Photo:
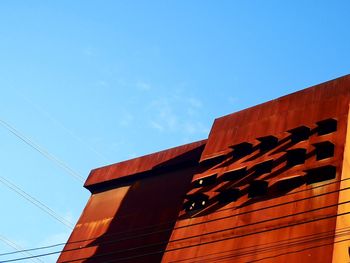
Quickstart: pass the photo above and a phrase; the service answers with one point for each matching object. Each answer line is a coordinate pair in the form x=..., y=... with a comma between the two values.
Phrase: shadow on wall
x=141, y=228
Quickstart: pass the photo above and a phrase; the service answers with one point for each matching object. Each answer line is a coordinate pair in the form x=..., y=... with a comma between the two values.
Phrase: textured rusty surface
x=120, y=218
x=247, y=240
x=154, y=218
x=341, y=241
x=171, y=157
x=279, y=115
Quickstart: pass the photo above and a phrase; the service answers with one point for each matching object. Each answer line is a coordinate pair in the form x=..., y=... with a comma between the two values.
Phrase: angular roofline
x=159, y=160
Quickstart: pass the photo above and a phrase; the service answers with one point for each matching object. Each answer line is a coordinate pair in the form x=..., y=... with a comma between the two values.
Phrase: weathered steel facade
x=270, y=184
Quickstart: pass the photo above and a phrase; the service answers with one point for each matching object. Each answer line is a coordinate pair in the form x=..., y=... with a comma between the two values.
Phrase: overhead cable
x=203, y=243
x=18, y=248
x=194, y=236
x=36, y=202
x=42, y=151
x=259, y=249
x=127, y=235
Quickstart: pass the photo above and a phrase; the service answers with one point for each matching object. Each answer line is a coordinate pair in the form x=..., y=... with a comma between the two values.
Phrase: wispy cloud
x=156, y=125
x=232, y=100
x=195, y=127
x=126, y=119
x=195, y=103
x=102, y=83
x=89, y=51
x=177, y=114
x=143, y=86
x=163, y=116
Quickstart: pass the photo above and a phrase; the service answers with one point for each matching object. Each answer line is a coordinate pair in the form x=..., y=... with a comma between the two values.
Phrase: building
x=270, y=184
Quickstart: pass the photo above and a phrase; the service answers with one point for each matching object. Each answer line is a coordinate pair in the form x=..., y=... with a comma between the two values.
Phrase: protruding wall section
x=341, y=252
x=270, y=184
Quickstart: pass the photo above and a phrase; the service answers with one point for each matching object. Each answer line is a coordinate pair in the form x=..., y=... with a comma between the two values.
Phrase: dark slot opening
x=288, y=184
x=320, y=174
x=205, y=181
x=267, y=143
x=242, y=149
x=264, y=167
x=300, y=133
x=326, y=126
x=213, y=160
x=195, y=202
x=324, y=150
x=229, y=195
x=235, y=174
x=257, y=188
x=296, y=156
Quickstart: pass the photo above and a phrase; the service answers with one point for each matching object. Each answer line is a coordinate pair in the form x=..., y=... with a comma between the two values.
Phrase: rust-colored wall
x=329, y=100
x=133, y=213
x=300, y=108
x=136, y=212
x=172, y=157
x=342, y=241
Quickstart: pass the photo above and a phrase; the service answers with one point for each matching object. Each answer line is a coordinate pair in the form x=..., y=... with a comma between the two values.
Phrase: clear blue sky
x=97, y=82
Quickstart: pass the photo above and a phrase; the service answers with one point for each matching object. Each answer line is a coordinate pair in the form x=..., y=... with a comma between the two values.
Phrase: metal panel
x=307, y=106
x=167, y=158
x=142, y=219
x=135, y=213
x=293, y=226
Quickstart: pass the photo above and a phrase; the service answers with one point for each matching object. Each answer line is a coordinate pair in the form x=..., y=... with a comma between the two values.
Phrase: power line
x=204, y=243
x=229, y=216
x=194, y=245
x=33, y=249
x=250, y=211
x=194, y=224
x=18, y=248
x=43, y=111
x=289, y=241
x=179, y=248
x=36, y=202
x=41, y=150
x=233, y=228
x=266, y=248
x=300, y=250
x=337, y=233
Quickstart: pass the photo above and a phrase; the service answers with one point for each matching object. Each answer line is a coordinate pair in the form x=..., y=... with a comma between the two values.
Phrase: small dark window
x=288, y=184
x=195, y=202
x=257, y=188
x=267, y=143
x=229, y=195
x=263, y=168
x=299, y=134
x=320, y=174
x=235, y=174
x=215, y=159
x=326, y=126
x=242, y=149
x=324, y=150
x=296, y=156
x=205, y=181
